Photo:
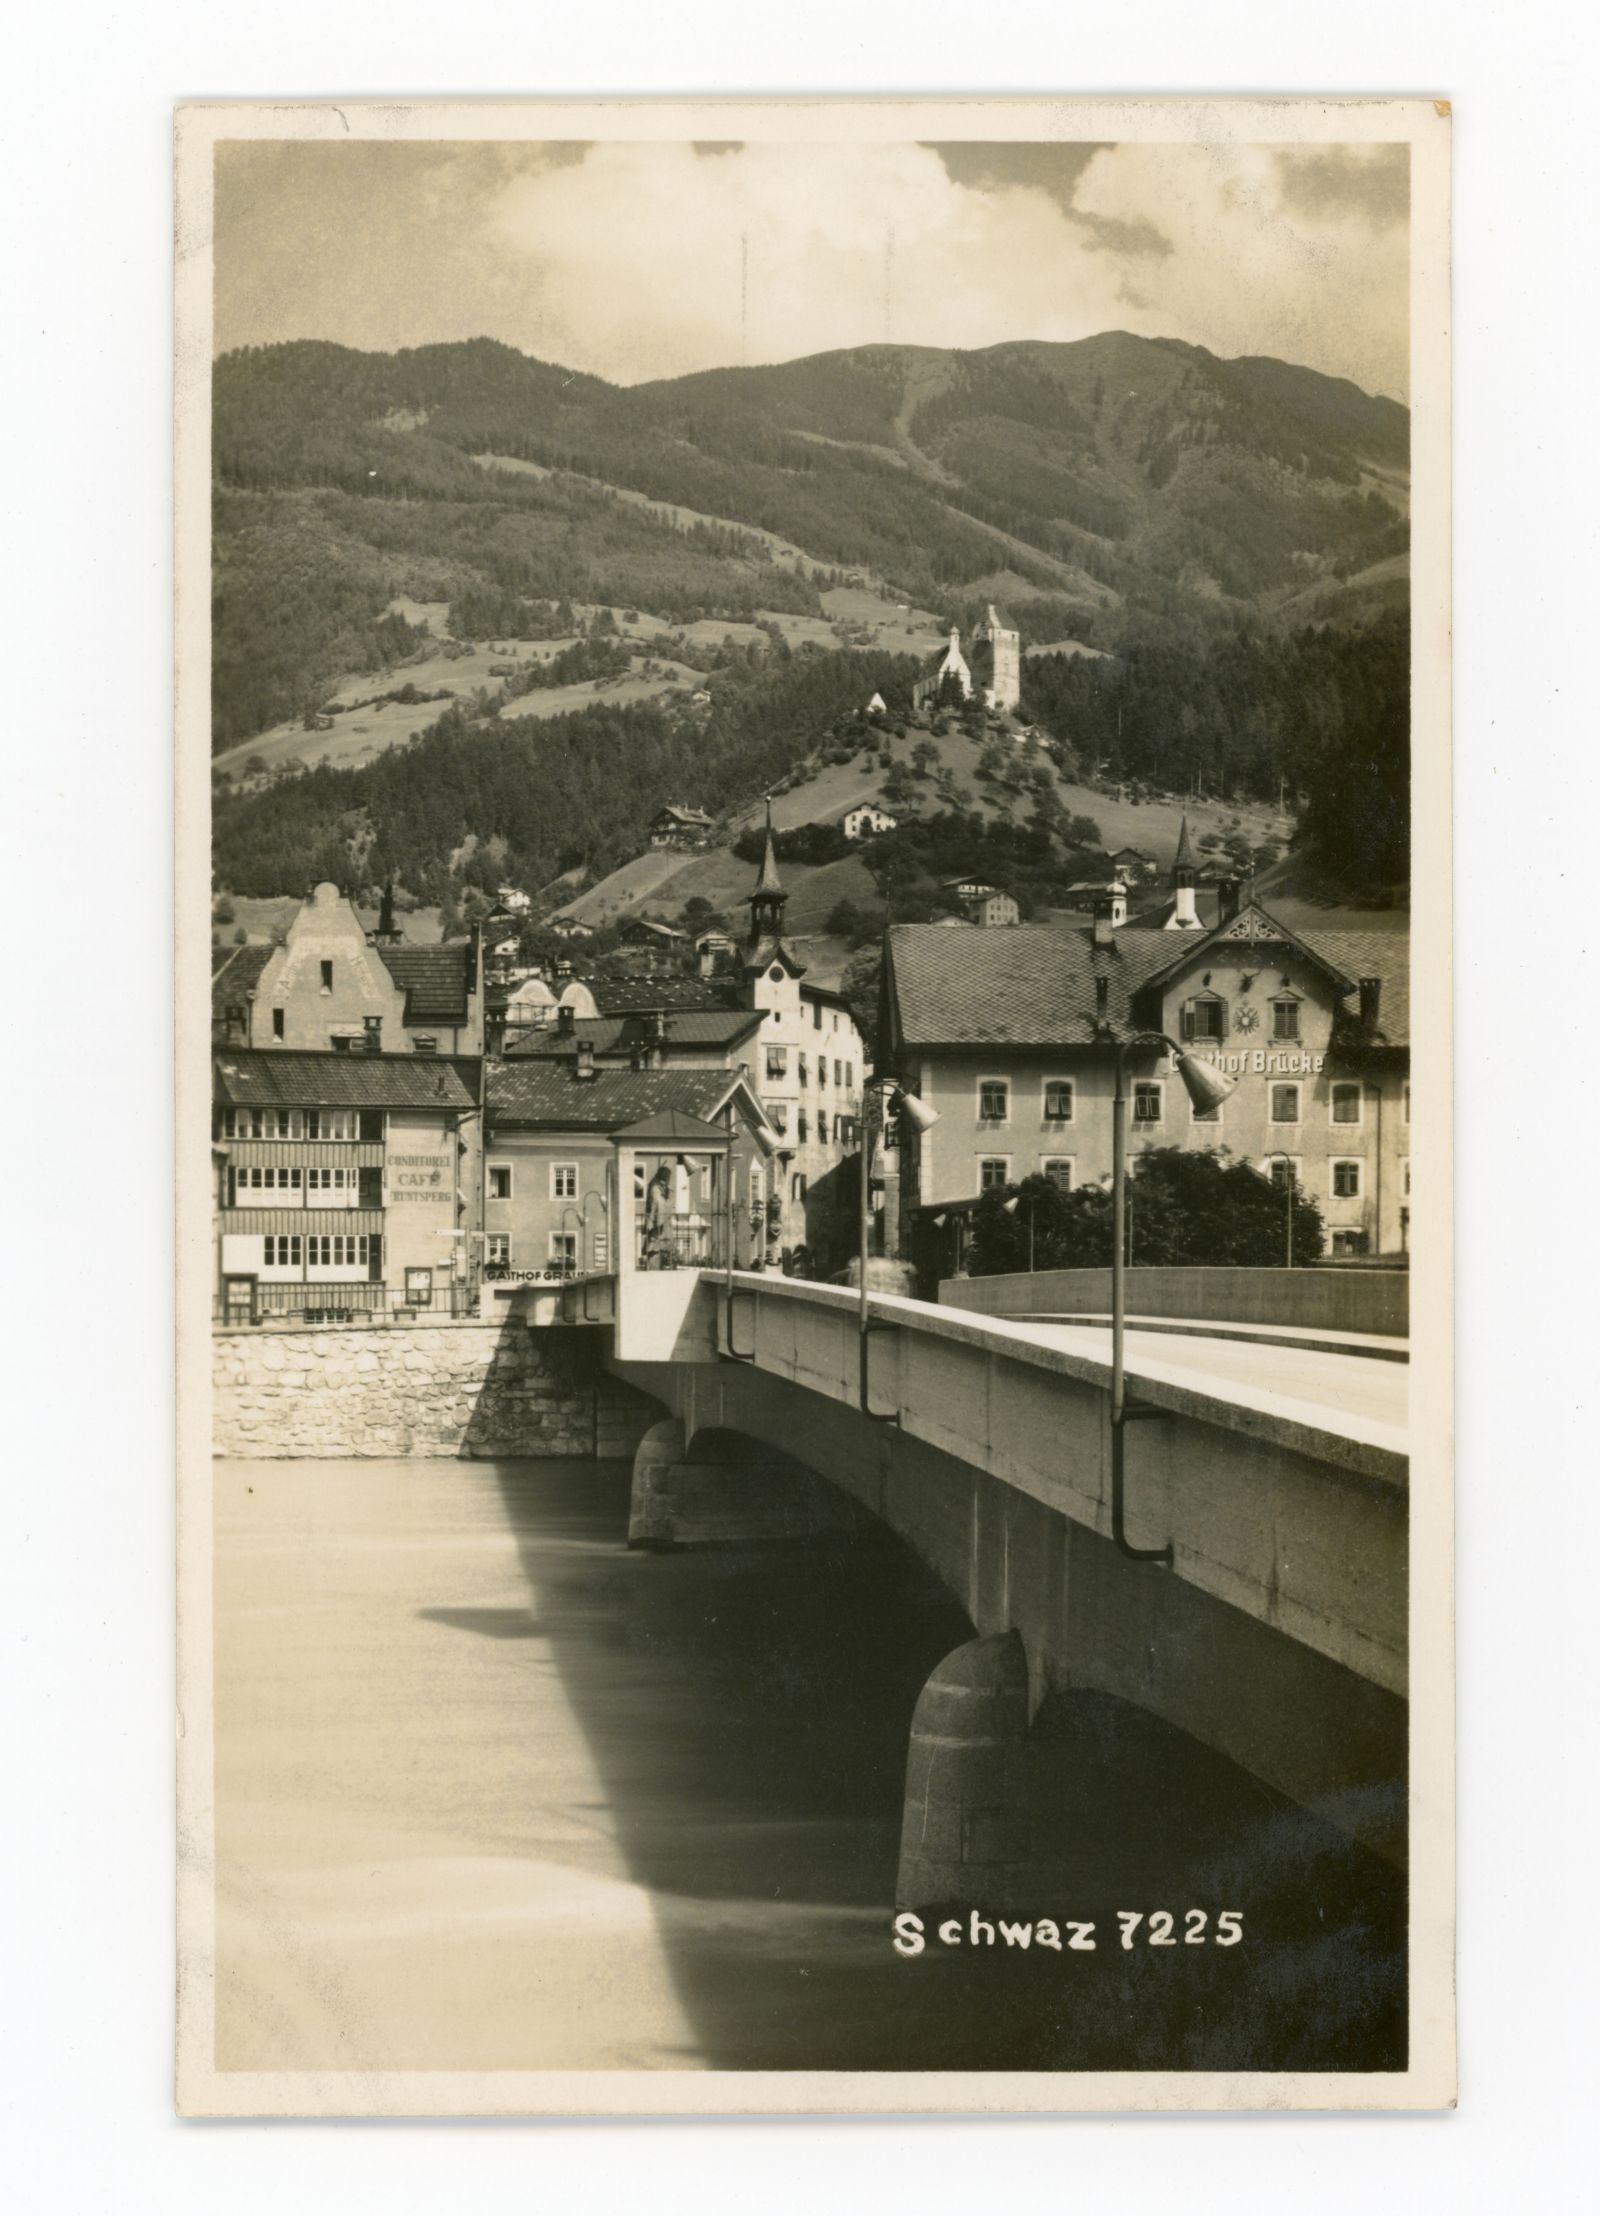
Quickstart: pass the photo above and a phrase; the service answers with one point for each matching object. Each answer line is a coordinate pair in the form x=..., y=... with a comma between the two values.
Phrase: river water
x=494, y=1792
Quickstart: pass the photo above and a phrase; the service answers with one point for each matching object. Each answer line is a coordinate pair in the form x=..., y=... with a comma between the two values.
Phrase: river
x=494, y=1792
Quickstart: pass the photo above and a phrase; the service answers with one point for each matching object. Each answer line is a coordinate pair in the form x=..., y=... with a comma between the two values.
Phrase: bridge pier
x=723, y=1488
x=964, y=1834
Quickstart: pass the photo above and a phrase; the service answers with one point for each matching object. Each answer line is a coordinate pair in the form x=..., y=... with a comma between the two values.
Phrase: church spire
x=769, y=899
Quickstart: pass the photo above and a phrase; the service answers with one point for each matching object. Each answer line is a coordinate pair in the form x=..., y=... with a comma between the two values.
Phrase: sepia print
x=813, y=768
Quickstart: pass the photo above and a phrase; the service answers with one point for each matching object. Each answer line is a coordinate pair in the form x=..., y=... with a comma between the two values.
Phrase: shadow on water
x=748, y=1709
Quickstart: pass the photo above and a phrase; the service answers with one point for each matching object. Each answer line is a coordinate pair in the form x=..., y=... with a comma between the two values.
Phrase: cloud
x=650, y=259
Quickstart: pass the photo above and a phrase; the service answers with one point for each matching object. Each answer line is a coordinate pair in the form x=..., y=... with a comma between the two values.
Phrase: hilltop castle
x=994, y=672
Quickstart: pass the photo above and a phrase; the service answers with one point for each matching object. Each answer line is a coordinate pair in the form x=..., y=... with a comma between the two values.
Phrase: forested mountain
x=1230, y=535
x=1124, y=484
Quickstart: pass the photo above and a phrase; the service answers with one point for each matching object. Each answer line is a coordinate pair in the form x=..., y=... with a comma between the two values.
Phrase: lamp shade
x=1204, y=1083
x=916, y=1112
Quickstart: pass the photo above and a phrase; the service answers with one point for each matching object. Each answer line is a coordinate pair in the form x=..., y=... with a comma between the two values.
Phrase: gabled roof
x=772, y=949
x=435, y=979
x=1031, y=986
x=278, y=1077
x=672, y=1126
x=547, y=1095
x=1252, y=925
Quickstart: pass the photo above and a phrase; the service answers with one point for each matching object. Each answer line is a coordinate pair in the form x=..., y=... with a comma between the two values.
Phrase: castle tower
x=1183, y=916
x=1004, y=689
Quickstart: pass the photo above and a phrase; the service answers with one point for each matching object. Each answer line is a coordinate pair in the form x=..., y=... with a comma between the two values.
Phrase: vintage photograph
x=813, y=767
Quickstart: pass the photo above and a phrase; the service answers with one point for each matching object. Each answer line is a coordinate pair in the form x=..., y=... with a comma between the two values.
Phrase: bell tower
x=769, y=899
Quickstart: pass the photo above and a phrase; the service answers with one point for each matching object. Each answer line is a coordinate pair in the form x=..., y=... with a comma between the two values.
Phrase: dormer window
x=327, y=977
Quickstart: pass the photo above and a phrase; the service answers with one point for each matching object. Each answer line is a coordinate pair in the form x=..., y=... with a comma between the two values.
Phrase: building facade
x=329, y=988
x=1013, y=1040
x=561, y=1130
x=346, y=1184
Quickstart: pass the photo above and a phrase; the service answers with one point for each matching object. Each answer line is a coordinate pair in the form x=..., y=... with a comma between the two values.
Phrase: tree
x=859, y=987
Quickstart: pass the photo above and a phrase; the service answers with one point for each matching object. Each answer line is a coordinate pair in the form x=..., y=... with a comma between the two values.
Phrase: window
x=822, y=1126
x=372, y=1033
x=1205, y=1017
x=332, y=1188
x=336, y=1250
x=816, y=1015
x=849, y=1076
x=564, y=1249
x=1345, y=1103
x=994, y=1171
x=327, y=977
x=330, y=1123
x=778, y=1111
x=1147, y=1100
x=340, y=1041
x=255, y=1179
x=801, y=1126
x=563, y=1181
x=277, y=1023
x=838, y=1071
x=1058, y=1169
x=281, y=1252
x=1058, y=1100
x=805, y=1074
x=1344, y=1179
x=994, y=1100
x=424, y=1042
x=497, y=1251
x=1283, y=1169
x=234, y=1022
x=1286, y=1019
x=1348, y=1242
x=797, y=1186
x=1405, y=1102
x=1405, y=1175
x=1283, y=1104
x=499, y=1180
x=822, y=1069
x=777, y=1061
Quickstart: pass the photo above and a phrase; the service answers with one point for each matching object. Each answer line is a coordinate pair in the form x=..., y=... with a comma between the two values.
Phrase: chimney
x=652, y=1053
x=474, y=956
x=1227, y=900
x=1369, y=989
x=566, y=1019
x=1105, y=920
x=1102, y=1002
x=583, y=1062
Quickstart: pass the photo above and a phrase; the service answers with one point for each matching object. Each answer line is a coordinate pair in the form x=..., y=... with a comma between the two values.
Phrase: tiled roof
x=434, y=979
x=1031, y=986
x=617, y=996
x=1035, y=985
x=1385, y=955
x=277, y=1077
x=673, y=1126
x=692, y=1027
x=548, y=1093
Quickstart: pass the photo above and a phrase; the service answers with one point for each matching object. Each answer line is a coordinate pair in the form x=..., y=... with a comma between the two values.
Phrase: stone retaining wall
x=472, y=1389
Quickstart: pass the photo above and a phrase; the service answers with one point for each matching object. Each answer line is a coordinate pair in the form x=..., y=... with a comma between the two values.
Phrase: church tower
x=1004, y=688
x=1184, y=916
x=769, y=899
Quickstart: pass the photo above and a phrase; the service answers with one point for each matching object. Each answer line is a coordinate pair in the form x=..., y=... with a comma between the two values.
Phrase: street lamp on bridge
x=1207, y=1088
x=893, y=1099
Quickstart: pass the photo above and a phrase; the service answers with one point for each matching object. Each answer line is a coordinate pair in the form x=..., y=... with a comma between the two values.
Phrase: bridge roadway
x=1346, y=1391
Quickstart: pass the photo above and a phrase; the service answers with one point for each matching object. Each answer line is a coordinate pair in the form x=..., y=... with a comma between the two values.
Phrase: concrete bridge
x=1277, y=1638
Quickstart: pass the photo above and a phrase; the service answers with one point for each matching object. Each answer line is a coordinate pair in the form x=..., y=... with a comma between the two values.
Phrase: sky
x=634, y=260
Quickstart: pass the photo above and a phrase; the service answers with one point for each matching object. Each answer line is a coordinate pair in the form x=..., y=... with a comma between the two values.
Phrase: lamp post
x=892, y=1098
x=1207, y=1088
x=1011, y=1206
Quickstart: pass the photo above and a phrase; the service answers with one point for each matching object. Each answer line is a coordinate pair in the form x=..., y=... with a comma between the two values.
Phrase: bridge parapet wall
x=1375, y=1302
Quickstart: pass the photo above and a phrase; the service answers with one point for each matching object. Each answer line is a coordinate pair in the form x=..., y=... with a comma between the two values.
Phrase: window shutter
x=1187, y=1020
